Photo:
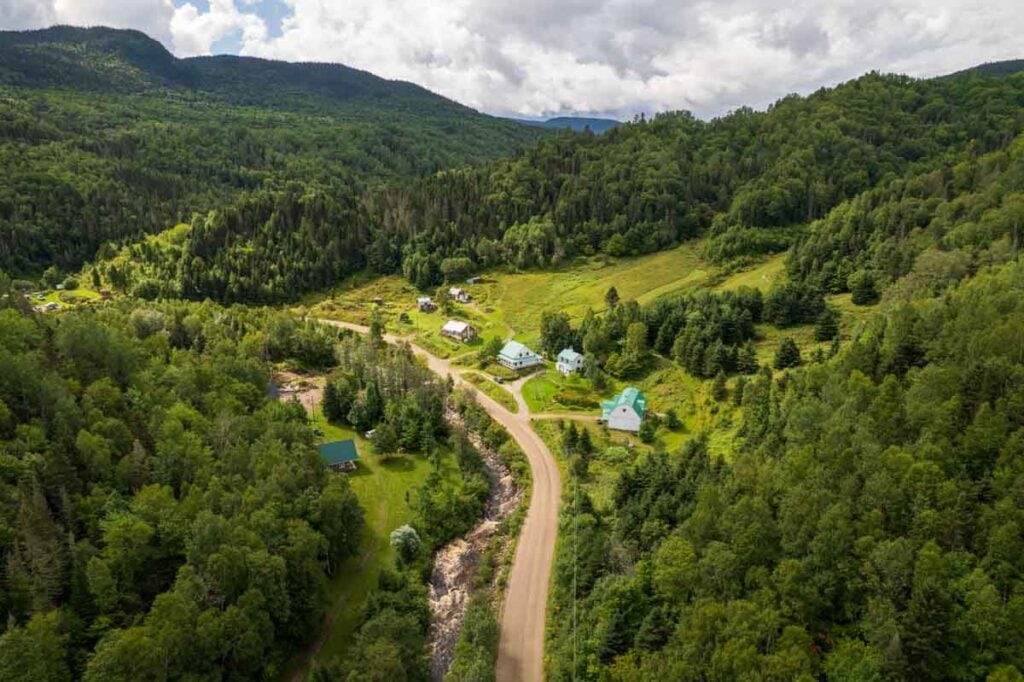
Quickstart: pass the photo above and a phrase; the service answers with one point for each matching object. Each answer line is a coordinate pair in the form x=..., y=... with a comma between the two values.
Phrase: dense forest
x=750, y=181
x=868, y=528
x=162, y=517
x=104, y=135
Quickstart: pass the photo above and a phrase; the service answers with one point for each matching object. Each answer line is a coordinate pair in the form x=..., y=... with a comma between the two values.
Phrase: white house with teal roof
x=625, y=412
x=569, y=361
x=517, y=356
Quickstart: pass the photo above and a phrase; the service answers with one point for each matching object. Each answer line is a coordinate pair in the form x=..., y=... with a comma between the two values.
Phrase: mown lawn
x=383, y=487
x=65, y=298
x=549, y=391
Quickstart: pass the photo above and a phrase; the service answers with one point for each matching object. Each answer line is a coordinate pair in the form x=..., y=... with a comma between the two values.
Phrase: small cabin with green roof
x=339, y=455
x=625, y=412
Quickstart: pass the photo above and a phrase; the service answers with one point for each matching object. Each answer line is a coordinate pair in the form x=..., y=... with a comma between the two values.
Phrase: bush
x=407, y=543
x=648, y=429
x=862, y=288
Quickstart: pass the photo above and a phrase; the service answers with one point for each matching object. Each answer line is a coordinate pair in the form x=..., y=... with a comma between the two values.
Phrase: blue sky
x=540, y=58
x=271, y=11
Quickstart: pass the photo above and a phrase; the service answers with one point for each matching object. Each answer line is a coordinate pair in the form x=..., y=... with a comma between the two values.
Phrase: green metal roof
x=338, y=452
x=630, y=396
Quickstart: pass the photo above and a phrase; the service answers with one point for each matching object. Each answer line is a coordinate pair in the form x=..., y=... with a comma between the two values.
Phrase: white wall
x=624, y=418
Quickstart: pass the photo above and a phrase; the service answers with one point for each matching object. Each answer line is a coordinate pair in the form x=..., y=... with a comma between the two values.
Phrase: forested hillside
x=744, y=179
x=751, y=181
x=105, y=135
x=159, y=511
x=163, y=517
x=868, y=528
x=864, y=523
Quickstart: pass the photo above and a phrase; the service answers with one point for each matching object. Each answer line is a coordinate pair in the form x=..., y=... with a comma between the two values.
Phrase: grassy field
x=519, y=299
x=549, y=391
x=852, y=316
x=502, y=396
x=67, y=297
x=761, y=276
x=382, y=487
x=508, y=302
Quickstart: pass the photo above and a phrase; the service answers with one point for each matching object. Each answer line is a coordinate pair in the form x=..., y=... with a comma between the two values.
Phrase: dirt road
x=521, y=644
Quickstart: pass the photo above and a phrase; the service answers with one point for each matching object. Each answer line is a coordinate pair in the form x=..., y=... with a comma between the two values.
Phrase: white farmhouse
x=569, y=361
x=517, y=356
x=625, y=412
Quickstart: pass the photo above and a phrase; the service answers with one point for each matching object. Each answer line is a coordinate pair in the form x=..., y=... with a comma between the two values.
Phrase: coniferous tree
x=826, y=327
x=787, y=355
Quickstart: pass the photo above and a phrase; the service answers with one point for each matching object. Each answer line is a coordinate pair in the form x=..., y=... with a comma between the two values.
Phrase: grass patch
x=499, y=394
x=65, y=297
x=851, y=316
x=549, y=391
x=382, y=487
x=769, y=338
x=761, y=276
x=355, y=300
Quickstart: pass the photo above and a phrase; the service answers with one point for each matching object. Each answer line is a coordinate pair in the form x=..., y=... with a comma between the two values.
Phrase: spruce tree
x=788, y=354
x=719, y=390
x=826, y=327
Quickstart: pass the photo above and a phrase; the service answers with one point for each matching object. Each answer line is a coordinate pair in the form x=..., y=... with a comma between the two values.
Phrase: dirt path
x=521, y=644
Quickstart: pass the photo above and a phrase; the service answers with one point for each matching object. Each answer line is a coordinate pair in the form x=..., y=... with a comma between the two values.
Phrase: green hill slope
x=751, y=182
x=104, y=134
x=113, y=60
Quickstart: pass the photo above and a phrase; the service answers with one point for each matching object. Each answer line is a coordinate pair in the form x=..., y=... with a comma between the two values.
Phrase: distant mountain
x=104, y=134
x=994, y=69
x=130, y=62
x=577, y=123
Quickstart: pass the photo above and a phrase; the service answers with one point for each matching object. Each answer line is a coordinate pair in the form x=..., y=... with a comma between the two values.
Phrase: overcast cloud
x=542, y=58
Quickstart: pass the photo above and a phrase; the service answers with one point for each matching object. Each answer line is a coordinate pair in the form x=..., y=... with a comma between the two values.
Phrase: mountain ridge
x=104, y=134
x=129, y=61
x=998, y=69
x=576, y=123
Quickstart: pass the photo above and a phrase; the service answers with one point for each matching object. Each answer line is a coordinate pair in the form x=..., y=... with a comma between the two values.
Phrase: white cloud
x=196, y=31
x=18, y=14
x=150, y=16
x=545, y=57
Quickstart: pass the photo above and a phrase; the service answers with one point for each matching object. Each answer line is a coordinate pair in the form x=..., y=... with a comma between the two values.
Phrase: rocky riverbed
x=451, y=581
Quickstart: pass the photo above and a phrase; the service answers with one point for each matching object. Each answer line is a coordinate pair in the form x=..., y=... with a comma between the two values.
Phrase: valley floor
x=537, y=407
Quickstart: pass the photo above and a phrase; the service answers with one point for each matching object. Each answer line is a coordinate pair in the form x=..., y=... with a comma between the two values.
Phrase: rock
x=454, y=564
